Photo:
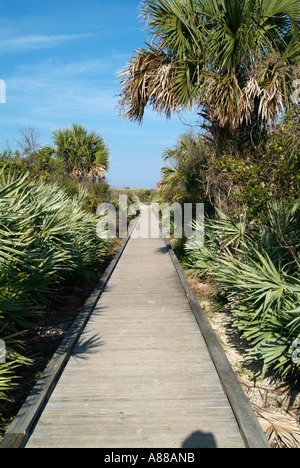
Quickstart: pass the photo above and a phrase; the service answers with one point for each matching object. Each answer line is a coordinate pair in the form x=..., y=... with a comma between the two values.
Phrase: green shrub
x=45, y=238
x=247, y=181
x=265, y=304
x=257, y=268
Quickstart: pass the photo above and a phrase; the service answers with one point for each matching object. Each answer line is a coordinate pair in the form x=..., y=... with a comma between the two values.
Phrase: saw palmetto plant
x=259, y=273
x=6, y=384
x=202, y=257
x=265, y=303
x=45, y=238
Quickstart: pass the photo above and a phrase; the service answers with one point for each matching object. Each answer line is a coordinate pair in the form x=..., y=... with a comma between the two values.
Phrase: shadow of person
x=200, y=439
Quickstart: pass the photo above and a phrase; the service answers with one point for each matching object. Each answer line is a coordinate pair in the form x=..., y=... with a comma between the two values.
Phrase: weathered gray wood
x=18, y=432
x=141, y=374
x=13, y=441
x=250, y=428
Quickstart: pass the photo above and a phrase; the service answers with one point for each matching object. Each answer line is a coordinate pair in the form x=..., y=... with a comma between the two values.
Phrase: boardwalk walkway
x=141, y=374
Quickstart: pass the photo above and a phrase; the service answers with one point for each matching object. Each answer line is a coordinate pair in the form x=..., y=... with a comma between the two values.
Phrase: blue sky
x=60, y=62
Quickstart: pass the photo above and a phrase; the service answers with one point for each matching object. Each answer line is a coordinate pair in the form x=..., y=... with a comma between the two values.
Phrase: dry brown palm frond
x=280, y=428
x=269, y=97
x=223, y=100
x=228, y=103
x=148, y=79
x=271, y=105
x=76, y=173
x=100, y=171
x=266, y=86
x=97, y=171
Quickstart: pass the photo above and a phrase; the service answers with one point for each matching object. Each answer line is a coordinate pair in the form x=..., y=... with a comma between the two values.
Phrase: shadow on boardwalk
x=200, y=439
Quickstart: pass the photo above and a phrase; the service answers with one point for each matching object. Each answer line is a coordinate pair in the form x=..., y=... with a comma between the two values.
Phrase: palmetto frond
x=148, y=80
x=263, y=290
x=44, y=236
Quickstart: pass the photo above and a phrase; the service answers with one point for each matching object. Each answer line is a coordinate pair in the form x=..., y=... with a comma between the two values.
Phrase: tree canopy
x=83, y=153
x=235, y=61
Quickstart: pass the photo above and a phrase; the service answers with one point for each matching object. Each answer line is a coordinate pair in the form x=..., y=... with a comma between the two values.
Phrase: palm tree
x=235, y=60
x=84, y=154
x=183, y=176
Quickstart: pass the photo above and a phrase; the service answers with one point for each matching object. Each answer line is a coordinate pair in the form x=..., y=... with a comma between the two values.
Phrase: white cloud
x=23, y=43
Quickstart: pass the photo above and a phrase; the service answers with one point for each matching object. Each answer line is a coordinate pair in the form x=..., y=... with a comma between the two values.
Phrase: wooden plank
x=250, y=428
x=144, y=370
x=19, y=430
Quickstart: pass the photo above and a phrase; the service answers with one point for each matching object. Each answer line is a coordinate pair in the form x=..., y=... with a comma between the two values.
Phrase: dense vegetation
x=252, y=236
x=77, y=158
x=48, y=234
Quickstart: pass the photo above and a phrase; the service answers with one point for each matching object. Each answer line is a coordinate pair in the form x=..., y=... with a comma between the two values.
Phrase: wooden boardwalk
x=140, y=375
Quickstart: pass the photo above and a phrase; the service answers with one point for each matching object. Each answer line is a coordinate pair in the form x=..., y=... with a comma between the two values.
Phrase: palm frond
x=147, y=80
